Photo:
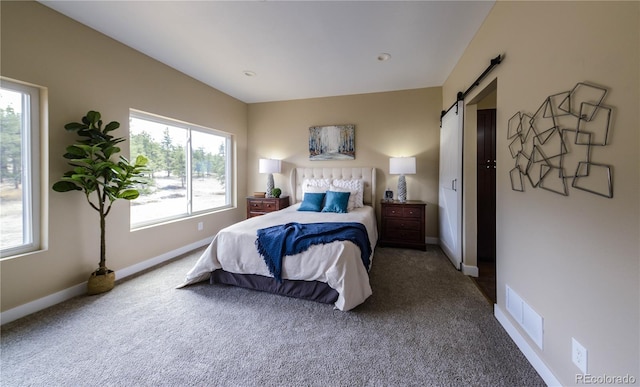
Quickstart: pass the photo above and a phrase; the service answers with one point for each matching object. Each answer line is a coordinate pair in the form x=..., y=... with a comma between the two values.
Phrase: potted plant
x=102, y=180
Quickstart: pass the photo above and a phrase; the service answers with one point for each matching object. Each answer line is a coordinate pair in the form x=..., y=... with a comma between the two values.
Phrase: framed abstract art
x=332, y=142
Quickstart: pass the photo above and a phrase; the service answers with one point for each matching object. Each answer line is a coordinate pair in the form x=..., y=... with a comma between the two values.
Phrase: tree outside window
x=188, y=169
x=19, y=168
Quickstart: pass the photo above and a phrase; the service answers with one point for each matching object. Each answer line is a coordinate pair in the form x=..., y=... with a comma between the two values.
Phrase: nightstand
x=261, y=206
x=403, y=224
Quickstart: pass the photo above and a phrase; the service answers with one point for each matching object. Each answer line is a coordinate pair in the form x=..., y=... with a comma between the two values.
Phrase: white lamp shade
x=269, y=166
x=402, y=165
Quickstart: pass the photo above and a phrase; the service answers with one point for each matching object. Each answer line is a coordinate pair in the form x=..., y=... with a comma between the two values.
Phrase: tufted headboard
x=367, y=174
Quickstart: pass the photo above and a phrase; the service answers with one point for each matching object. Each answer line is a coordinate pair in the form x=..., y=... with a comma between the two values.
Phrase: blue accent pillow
x=336, y=202
x=312, y=202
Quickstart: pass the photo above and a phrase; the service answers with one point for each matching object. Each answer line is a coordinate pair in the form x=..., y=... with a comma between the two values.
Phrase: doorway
x=486, y=202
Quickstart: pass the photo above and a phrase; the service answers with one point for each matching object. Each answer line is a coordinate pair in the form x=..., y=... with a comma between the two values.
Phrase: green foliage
x=276, y=192
x=93, y=172
x=143, y=144
x=10, y=146
x=218, y=166
x=169, y=158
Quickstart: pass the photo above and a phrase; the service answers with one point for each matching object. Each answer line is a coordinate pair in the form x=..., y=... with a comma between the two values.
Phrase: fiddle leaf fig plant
x=102, y=179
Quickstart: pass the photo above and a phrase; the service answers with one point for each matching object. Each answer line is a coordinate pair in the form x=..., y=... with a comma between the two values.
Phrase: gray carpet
x=426, y=324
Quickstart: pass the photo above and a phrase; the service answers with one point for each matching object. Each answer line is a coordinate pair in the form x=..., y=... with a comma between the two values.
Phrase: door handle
x=454, y=184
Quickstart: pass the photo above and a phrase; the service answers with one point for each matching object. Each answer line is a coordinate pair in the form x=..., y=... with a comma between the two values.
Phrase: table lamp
x=269, y=166
x=402, y=166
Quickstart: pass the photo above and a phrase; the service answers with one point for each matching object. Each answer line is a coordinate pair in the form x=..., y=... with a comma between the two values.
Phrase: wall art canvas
x=332, y=142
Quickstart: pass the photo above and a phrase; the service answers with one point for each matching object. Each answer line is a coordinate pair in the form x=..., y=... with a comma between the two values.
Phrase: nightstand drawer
x=403, y=229
x=403, y=224
x=413, y=212
x=392, y=212
x=256, y=205
x=403, y=212
x=261, y=206
x=270, y=206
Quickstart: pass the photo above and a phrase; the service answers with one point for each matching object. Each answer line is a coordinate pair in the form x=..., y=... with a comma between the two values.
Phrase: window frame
x=31, y=168
x=228, y=137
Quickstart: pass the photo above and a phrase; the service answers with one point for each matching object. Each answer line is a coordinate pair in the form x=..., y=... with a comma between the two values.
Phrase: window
x=19, y=168
x=189, y=169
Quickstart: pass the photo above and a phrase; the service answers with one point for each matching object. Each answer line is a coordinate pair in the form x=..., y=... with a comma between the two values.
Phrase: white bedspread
x=338, y=263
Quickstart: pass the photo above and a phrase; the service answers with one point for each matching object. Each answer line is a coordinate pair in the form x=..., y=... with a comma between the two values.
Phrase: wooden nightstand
x=403, y=224
x=260, y=206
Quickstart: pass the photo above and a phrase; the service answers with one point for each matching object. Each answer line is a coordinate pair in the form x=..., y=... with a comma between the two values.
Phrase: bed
x=334, y=273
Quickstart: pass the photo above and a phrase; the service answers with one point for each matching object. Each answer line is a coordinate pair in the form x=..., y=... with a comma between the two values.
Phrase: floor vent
x=528, y=319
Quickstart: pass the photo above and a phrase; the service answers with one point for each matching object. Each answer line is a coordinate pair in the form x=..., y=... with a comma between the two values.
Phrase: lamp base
x=402, y=189
x=270, y=185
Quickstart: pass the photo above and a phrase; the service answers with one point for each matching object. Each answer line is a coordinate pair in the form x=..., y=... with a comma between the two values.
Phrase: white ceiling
x=297, y=49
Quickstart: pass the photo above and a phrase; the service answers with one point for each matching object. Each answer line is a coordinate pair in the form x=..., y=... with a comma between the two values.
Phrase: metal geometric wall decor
x=552, y=148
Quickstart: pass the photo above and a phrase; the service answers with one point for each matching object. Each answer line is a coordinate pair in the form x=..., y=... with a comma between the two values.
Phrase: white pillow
x=352, y=196
x=356, y=185
x=312, y=189
x=315, y=185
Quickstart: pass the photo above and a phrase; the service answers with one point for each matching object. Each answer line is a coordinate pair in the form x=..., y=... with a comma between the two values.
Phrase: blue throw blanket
x=275, y=242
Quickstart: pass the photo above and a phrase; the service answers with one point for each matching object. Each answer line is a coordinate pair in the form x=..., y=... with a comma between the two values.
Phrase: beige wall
x=574, y=260
x=84, y=70
x=403, y=123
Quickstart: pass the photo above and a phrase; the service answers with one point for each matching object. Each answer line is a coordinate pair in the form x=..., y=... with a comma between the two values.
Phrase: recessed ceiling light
x=384, y=56
x=249, y=73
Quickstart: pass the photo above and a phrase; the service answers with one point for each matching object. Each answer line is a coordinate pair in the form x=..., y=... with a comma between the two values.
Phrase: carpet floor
x=426, y=324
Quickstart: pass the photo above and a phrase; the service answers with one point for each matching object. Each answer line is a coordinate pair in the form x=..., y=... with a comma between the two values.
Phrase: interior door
x=486, y=203
x=450, y=190
x=486, y=194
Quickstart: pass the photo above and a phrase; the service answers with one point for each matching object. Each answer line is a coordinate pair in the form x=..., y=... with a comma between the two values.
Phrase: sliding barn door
x=450, y=191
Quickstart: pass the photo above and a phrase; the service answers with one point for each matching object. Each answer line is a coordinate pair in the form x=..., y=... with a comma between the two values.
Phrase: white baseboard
x=42, y=303
x=80, y=289
x=467, y=270
x=432, y=241
x=470, y=270
x=138, y=267
x=526, y=349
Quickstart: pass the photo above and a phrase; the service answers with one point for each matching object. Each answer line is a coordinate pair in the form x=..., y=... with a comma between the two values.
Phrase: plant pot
x=101, y=283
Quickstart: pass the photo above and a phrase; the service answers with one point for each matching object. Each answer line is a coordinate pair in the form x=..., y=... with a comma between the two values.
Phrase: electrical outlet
x=579, y=355
x=200, y=226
